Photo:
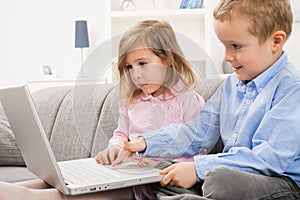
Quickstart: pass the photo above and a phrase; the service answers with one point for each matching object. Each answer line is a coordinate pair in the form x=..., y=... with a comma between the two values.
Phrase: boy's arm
x=172, y=141
x=188, y=138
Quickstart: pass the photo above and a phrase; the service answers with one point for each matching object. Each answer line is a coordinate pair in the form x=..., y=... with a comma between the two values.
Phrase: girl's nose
x=136, y=71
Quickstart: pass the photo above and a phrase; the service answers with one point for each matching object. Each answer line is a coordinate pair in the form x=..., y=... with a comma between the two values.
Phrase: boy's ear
x=278, y=40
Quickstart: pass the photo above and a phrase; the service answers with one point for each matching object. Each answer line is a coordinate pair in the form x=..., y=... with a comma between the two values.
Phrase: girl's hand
x=148, y=162
x=135, y=145
x=113, y=155
x=123, y=156
x=180, y=174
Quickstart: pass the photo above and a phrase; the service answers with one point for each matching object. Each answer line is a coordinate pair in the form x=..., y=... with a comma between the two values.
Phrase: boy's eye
x=236, y=46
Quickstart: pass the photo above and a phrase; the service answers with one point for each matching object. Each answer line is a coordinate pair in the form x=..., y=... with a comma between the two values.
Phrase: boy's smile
x=248, y=57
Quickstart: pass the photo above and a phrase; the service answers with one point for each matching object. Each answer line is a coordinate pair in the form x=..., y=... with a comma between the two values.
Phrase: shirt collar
x=262, y=80
x=177, y=88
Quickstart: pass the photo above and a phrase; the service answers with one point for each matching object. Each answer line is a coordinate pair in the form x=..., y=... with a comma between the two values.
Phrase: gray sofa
x=78, y=122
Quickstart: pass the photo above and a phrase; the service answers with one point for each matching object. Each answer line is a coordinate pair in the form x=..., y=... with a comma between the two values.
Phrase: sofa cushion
x=9, y=151
x=14, y=174
x=76, y=121
x=207, y=87
x=108, y=121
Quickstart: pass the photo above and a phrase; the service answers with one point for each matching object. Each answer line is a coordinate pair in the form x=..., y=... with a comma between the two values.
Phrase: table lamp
x=81, y=38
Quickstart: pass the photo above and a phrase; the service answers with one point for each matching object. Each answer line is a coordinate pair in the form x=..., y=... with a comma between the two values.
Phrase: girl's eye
x=128, y=66
x=142, y=63
x=236, y=46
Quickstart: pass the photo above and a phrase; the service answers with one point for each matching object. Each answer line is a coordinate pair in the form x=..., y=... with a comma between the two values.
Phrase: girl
x=154, y=85
x=155, y=81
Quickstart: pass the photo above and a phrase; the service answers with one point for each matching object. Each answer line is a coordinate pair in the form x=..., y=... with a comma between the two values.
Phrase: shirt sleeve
x=189, y=138
x=122, y=131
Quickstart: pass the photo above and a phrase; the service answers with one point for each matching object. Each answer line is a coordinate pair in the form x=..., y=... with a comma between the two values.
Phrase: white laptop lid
x=17, y=104
x=36, y=150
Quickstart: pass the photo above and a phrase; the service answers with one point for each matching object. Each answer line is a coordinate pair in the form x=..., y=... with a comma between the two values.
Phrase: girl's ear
x=278, y=40
x=169, y=58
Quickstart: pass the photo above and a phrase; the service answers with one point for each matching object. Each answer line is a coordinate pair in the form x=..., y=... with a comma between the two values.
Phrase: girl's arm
x=122, y=131
x=114, y=153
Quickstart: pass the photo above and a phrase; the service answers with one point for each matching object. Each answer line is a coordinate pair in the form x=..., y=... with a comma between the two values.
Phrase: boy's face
x=248, y=57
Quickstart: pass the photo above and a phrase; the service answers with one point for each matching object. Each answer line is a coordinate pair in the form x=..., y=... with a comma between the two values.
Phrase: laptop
x=70, y=177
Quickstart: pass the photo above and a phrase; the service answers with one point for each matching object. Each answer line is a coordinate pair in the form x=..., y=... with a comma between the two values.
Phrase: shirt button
x=234, y=135
x=248, y=101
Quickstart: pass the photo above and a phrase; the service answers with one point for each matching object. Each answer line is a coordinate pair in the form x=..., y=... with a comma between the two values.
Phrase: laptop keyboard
x=85, y=171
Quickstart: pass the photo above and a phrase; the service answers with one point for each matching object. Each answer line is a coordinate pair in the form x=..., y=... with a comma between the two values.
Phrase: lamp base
x=82, y=66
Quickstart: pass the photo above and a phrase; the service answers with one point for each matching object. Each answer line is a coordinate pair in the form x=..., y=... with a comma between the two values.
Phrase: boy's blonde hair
x=159, y=37
x=265, y=16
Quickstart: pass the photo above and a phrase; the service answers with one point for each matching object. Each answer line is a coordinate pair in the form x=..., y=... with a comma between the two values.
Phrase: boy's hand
x=180, y=174
x=135, y=145
x=114, y=155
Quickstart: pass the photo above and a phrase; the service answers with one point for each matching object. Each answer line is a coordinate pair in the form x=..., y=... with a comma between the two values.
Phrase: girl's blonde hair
x=159, y=37
x=265, y=16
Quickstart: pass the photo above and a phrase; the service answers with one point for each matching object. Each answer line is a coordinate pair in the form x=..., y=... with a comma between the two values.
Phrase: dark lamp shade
x=81, y=34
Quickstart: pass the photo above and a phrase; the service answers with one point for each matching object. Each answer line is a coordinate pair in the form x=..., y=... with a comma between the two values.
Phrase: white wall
x=41, y=32
x=293, y=44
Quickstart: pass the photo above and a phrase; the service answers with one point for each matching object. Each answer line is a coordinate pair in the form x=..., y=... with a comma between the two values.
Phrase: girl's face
x=147, y=71
x=248, y=57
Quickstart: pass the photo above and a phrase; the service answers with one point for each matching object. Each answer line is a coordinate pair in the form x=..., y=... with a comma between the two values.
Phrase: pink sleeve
x=192, y=103
x=122, y=131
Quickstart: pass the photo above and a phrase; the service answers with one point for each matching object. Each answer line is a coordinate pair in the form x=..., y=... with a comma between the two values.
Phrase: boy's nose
x=228, y=56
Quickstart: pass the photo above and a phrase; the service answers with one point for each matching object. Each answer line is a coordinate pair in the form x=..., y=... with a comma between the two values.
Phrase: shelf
x=180, y=14
x=194, y=29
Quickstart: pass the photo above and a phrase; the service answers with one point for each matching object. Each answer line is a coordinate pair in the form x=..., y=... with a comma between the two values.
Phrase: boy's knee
x=219, y=184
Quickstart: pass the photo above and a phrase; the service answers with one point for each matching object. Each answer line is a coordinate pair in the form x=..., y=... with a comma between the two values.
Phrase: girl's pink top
x=150, y=113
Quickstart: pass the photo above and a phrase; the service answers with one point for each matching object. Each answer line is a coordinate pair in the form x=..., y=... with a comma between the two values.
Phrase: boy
x=255, y=112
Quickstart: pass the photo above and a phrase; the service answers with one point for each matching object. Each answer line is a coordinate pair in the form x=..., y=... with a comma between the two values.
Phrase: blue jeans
x=228, y=184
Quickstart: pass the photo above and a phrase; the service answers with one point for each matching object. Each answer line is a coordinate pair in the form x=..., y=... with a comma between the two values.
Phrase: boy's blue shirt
x=259, y=124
